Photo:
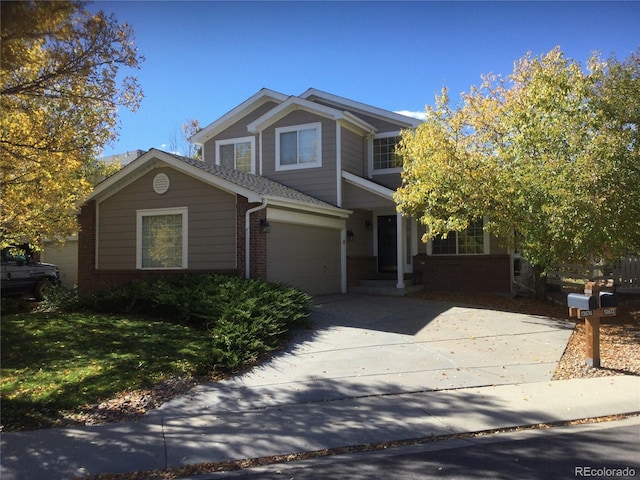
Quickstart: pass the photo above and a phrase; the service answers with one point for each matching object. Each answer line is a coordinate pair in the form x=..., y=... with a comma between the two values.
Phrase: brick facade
x=90, y=278
x=360, y=267
x=258, y=245
x=478, y=273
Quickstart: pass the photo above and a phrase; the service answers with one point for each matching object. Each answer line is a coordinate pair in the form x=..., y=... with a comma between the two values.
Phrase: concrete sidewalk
x=372, y=369
x=159, y=442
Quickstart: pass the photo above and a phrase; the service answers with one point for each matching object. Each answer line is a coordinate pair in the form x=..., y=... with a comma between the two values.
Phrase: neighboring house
x=65, y=254
x=293, y=189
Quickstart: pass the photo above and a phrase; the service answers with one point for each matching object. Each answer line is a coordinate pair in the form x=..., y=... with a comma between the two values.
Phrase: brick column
x=258, y=242
x=87, y=246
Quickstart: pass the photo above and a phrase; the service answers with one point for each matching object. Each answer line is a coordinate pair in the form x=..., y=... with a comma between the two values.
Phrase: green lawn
x=55, y=362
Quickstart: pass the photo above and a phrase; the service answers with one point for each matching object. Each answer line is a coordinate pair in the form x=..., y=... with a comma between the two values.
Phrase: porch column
x=343, y=259
x=400, y=242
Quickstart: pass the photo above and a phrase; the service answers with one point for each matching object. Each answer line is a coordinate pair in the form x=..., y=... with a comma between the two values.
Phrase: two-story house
x=293, y=189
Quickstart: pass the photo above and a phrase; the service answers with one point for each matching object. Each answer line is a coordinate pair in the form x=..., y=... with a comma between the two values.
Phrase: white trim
x=338, y=165
x=368, y=185
x=329, y=210
x=260, y=98
x=343, y=259
x=146, y=162
x=296, y=103
x=401, y=240
x=486, y=247
x=247, y=237
x=234, y=141
x=298, y=218
x=374, y=111
x=297, y=128
x=260, y=151
x=184, y=211
x=381, y=171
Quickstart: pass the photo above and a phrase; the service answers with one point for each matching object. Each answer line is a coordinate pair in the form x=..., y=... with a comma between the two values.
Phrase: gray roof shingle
x=255, y=183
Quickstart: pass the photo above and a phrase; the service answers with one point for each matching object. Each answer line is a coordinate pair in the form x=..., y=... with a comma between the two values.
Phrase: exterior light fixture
x=264, y=226
x=350, y=235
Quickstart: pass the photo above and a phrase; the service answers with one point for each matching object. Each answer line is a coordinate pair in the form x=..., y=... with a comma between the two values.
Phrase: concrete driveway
x=362, y=346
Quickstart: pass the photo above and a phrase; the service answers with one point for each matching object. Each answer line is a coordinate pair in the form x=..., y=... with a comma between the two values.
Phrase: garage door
x=305, y=257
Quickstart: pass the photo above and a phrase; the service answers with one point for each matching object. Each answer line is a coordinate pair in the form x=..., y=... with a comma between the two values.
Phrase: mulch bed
x=619, y=336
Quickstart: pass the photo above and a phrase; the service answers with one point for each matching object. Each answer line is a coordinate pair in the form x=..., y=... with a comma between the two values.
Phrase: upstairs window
x=299, y=147
x=472, y=241
x=236, y=154
x=384, y=153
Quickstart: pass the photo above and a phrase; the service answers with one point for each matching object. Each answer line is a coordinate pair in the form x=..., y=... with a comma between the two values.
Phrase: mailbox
x=582, y=301
x=608, y=300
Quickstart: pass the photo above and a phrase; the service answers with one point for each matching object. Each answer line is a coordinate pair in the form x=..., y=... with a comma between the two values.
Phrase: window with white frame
x=384, y=153
x=237, y=153
x=161, y=239
x=471, y=241
x=299, y=146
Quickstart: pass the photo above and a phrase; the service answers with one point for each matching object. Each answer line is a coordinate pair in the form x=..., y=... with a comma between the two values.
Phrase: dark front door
x=387, y=236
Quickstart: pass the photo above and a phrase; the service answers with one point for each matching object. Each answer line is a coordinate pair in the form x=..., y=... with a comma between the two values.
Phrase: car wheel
x=41, y=289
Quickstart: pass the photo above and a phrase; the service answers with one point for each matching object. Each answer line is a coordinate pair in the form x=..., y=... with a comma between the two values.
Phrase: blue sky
x=203, y=58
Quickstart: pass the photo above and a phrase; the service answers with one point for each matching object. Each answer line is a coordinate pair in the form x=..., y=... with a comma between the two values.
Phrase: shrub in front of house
x=245, y=318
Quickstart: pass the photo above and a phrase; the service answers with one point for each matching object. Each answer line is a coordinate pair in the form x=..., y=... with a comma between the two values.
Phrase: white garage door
x=305, y=257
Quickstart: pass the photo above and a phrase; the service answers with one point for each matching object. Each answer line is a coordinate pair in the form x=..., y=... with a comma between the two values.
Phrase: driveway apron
x=361, y=346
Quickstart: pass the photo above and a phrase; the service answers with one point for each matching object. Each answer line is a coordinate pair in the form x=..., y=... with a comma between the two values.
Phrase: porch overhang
x=368, y=185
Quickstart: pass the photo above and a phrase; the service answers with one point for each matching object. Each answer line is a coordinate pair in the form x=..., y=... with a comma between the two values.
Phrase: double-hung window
x=384, y=153
x=161, y=238
x=299, y=146
x=236, y=153
x=471, y=241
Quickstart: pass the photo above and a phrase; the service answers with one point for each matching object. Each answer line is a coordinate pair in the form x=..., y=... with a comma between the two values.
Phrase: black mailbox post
x=591, y=306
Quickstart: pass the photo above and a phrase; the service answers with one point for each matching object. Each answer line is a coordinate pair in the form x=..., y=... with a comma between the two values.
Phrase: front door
x=387, y=249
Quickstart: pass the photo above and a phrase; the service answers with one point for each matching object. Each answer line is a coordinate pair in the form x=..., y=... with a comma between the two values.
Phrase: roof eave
x=262, y=96
x=110, y=186
x=375, y=111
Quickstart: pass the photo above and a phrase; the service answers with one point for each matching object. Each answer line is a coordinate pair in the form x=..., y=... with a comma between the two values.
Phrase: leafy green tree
x=60, y=88
x=550, y=155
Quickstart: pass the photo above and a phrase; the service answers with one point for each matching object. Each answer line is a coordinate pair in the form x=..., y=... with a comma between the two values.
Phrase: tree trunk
x=540, y=282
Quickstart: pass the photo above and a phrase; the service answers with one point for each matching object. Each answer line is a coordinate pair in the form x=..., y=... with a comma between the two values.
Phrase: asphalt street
x=606, y=450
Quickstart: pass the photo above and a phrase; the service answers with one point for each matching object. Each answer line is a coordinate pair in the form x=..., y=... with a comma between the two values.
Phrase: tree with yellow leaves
x=551, y=155
x=60, y=88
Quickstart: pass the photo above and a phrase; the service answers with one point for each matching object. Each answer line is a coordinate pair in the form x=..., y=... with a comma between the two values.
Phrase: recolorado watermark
x=604, y=472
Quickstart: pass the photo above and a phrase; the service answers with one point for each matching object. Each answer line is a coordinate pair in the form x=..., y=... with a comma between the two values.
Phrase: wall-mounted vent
x=161, y=183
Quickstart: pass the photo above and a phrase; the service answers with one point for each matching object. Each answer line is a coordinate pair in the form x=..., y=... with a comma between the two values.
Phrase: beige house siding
x=211, y=220
x=355, y=197
x=65, y=257
x=380, y=124
x=389, y=180
x=319, y=182
x=237, y=130
x=360, y=223
x=353, y=152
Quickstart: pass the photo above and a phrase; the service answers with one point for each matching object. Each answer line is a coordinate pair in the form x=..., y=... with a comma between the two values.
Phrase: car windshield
x=14, y=256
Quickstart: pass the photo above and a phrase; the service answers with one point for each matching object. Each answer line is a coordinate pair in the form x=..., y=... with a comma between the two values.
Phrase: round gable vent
x=161, y=183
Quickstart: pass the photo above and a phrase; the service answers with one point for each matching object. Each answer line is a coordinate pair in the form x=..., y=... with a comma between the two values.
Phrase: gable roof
x=335, y=107
x=381, y=113
x=297, y=103
x=253, y=102
x=255, y=188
